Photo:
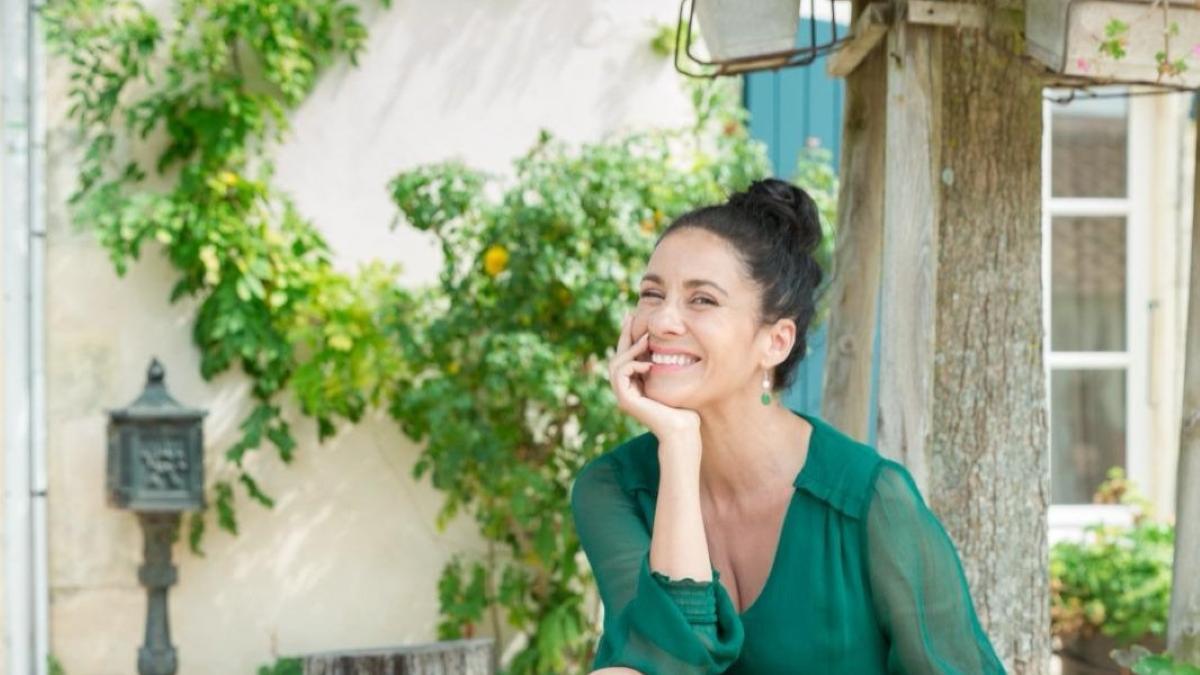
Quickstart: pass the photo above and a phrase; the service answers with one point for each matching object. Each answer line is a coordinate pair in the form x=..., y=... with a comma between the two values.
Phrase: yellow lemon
x=229, y=178
x=495, y=259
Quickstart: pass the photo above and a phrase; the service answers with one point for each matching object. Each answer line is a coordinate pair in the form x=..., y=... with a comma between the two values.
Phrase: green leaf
x=224, y=504
x=255, y=493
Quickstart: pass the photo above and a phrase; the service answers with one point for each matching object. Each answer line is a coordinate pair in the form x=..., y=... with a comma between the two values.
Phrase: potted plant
x=1112, y=589
x=1151, y=41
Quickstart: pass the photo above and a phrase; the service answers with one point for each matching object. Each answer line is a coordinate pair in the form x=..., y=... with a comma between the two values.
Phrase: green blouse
x=865, y=579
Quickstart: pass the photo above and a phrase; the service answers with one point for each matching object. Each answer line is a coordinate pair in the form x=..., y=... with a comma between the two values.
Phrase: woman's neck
x=748, y=448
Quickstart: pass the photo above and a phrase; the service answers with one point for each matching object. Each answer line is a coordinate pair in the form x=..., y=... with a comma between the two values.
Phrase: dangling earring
x=766, y=395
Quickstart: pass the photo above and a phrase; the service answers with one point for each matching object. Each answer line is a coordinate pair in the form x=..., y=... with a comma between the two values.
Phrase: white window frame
x=1068, y=520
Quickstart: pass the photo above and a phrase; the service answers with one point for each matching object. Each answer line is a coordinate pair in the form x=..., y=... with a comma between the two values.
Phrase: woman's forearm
x=678, y=545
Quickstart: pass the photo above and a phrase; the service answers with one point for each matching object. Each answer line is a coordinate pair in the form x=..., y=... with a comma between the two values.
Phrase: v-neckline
x=787, y=514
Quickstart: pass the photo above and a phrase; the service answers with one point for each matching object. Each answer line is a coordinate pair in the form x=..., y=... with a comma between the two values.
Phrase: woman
x=738, y=536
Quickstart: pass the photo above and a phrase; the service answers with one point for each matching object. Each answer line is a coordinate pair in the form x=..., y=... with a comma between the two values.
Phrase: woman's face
x=697, y=302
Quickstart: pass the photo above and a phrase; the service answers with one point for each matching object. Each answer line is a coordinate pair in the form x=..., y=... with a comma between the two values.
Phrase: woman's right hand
x=626, y=372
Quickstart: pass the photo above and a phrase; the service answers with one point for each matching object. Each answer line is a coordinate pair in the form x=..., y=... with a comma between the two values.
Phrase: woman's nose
x=664, y=319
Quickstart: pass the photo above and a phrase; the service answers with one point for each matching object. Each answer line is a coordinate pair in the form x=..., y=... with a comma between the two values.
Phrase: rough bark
x=846, y=394
x=1183, y=625
x=963, y=399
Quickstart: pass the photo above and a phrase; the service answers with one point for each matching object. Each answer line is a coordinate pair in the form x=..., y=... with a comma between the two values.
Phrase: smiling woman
x=738, y=536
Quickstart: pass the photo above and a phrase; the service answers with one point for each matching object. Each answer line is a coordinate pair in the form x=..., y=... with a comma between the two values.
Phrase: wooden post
x=962, y=381
x=846, y=391
x=910, y=257
x=1183, y=625
x=457, y=657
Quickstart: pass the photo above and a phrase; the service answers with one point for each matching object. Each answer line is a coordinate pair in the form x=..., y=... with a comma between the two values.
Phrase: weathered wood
x=909, y=248
x=458, y=657
x=963, y=392
x=1183, y=624
x=870, y=26
x=947, y=14
x=846, y=390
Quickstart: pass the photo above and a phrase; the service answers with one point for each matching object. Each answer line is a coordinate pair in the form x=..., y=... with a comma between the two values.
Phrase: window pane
x=1088, y=148
x=1087, y=284
x=1087, y=431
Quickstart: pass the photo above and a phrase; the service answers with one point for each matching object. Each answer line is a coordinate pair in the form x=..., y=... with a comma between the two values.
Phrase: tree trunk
x=1183, y=626
x=846, y=394
x=963, y=399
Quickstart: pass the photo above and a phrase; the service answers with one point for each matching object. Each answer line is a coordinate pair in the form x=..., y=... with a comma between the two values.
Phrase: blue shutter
x=788, y=108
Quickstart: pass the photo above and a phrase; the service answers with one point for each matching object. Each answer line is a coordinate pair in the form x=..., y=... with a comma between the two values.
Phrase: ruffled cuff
x=696, y=599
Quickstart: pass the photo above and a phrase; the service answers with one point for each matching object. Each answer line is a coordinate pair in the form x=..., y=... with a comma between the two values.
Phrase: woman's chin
x=674, y=399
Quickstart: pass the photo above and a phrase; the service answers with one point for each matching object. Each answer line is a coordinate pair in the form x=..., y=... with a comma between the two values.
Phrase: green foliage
x=510, y=392
x=194, y=99
x=54, y=666
x=1118, y=581
x=1116, y=38
x=665, y=36
x=1163, y=664
x=283, y=666
x=1142, y=662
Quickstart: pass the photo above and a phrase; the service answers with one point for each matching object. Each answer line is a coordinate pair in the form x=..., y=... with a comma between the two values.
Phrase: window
x=1094, y=277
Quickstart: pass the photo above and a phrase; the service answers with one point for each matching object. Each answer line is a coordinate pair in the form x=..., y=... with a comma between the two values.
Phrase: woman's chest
x=815, y=613
x=743, y=549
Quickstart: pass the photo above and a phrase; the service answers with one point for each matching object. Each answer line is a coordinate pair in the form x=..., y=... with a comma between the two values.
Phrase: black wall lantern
x=748, y=35
x=156, y=469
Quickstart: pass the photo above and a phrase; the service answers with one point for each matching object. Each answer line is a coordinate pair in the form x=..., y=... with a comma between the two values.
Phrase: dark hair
x=775, y=228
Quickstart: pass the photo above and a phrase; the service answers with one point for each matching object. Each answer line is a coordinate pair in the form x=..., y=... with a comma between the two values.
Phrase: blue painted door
x=791, y=109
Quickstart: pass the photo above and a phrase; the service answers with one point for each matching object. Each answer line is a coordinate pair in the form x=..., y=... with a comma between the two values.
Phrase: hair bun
x=788, y=205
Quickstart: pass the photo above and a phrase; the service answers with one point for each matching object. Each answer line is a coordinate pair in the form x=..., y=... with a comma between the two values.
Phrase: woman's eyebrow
x=690, y=283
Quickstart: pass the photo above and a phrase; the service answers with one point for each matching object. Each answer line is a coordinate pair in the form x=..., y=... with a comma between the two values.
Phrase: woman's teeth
x=673, y=359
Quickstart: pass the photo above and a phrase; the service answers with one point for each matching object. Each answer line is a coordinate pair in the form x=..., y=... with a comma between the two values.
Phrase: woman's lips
x=670, y=367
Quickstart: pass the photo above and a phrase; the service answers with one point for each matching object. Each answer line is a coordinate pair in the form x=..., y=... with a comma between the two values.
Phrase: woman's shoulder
x=856, y=476
x=840, y=469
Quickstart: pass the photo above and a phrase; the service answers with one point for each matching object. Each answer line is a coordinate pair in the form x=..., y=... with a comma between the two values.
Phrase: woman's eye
x=703, y=300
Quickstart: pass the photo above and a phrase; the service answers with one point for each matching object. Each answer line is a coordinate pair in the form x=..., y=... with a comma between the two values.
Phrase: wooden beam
x=846, y=388
x=910, y=222
x=947, y=14
x=868, y=31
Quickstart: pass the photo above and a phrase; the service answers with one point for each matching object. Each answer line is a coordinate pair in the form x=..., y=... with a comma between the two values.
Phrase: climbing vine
x=175, y=117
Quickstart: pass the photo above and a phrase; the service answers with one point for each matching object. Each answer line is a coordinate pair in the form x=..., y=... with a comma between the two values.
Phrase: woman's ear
x=781, y=336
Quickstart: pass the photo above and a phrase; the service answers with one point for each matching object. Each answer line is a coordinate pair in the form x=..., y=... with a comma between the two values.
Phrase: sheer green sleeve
x=652, y=624
x=918, y=586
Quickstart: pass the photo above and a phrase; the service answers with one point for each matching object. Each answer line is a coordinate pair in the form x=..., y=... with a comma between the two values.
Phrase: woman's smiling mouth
x=670, y=361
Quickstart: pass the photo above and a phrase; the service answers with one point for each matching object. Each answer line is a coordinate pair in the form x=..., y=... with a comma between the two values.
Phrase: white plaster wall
x=474, y=80
x=349, y=556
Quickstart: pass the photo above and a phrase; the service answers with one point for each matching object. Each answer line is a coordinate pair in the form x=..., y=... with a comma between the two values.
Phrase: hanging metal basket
x=1127, y=41
x=747, y=35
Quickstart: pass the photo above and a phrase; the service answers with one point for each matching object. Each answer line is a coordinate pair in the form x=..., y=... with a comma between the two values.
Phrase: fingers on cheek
x=637, y=326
